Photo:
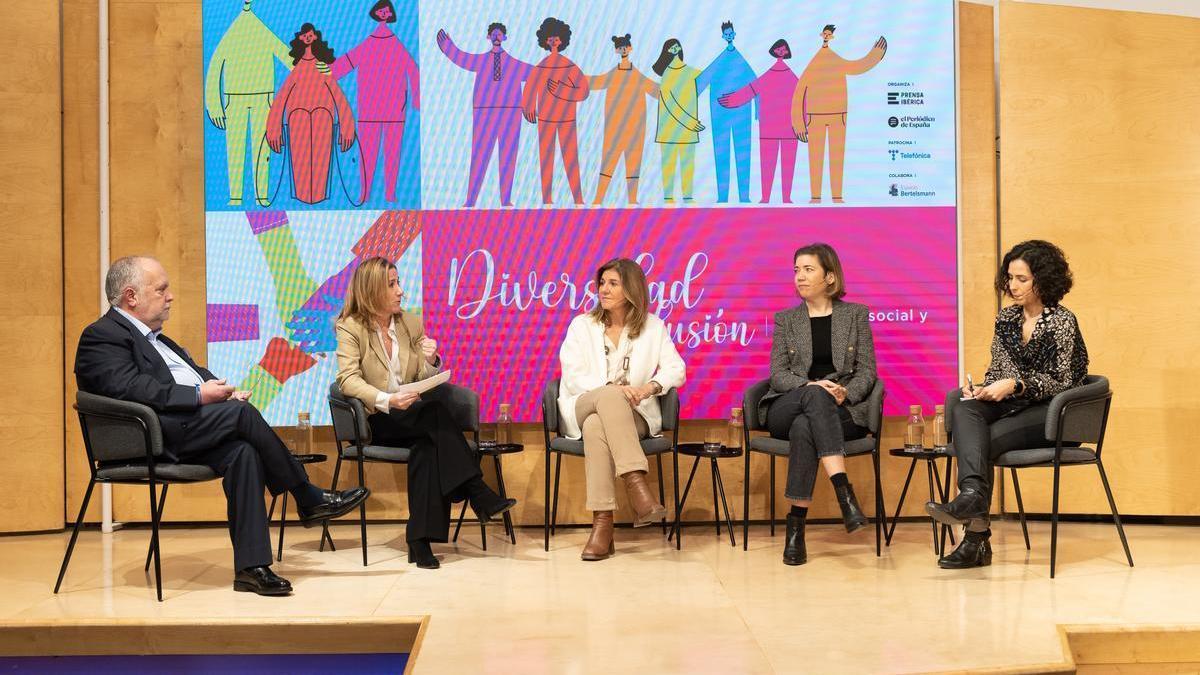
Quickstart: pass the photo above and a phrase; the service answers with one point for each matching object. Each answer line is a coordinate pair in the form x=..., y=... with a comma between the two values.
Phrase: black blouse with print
x=1054, y=360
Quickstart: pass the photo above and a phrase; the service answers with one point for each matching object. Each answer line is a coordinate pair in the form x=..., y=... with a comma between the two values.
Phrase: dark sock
x=800, y=512
x=307, y=495
x=839, y=480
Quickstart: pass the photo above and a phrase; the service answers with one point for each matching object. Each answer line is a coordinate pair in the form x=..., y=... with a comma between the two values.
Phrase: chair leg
x=271, y=508
x=546, y=504
x=154, y=539
x=662, y=495
x=675, y=490
x=943, y=490
x=362, y=508
x=946, y=498
x=887, y=539
x=746, y=503
x=461, y=514
x=676, y=528
x=554, y=508
x=1020, y=508
x=337, y=469
x=282, y=526
x=712, y=472
x=162, y=500
x=880, y=509
x=1054, y=522
x=62, y=571
x=1116, y=516
x=772, y=499
x=929, y=468
x=724, y=503
x=508, y=524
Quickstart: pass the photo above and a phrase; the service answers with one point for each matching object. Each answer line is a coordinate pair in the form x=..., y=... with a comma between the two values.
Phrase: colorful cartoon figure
x=386, y=75
x=552, y=93
x=776, y=140
x=497, y=108
x=819, y=109
x=238, y=91
x=729, y=72
x=624, y=119
x=679, y=124
x=311, y=104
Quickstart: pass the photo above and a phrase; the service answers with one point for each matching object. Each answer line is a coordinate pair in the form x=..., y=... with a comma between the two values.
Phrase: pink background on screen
x=894, y=258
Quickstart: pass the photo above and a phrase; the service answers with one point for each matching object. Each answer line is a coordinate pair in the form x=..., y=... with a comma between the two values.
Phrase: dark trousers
x=815, y=426
x=440, y=465
x=234, y=440
x=984, y=430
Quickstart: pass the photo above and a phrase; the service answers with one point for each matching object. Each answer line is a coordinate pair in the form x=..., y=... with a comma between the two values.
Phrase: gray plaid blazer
x=853, y=355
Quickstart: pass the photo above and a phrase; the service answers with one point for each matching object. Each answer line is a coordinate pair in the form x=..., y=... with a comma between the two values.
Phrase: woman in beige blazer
x=380, y=347
x=616, y=361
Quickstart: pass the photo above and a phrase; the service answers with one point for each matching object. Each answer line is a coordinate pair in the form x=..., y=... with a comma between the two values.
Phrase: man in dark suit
x=124, y=355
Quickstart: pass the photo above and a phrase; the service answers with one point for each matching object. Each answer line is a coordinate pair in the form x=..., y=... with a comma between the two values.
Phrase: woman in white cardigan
x=616, y=361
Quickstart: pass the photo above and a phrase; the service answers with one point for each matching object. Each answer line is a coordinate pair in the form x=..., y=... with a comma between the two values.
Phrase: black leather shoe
x=852, y=515
x=335, y=504
x=794, y=552
x=967, y=506
x=972, y=551
x=420, y=553
x=261, y=580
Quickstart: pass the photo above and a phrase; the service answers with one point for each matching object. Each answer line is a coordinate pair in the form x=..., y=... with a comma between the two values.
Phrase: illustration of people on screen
x=388, y=82
x=311, y=104
x=552, y=92
x=820, y=106
x=624, y=119
x=776, y=140
x=496, y=117
x=238, y=90
x=730, y=126
x=679, y=124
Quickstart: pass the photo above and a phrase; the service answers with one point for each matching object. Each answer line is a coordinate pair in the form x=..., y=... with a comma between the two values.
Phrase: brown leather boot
x=600, y=544
x=646, y=507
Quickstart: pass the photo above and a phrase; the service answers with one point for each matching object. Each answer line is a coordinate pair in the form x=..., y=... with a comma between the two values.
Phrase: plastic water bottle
x=735, y=428
x=504, y=422
x=914, y=433
x=304, y=435
x=940, y=438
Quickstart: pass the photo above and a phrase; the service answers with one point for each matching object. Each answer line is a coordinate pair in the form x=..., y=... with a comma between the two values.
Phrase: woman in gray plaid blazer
x=822, y=371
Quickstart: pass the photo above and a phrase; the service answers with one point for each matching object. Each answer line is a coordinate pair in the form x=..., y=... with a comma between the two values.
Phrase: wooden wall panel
x=1100, y=140
x=31, y=421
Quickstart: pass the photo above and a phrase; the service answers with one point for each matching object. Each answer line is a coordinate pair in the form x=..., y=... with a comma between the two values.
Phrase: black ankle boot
x=975, y=550
x=970, y=504
x=794, y=552
x=852, y=515
x=419, y=552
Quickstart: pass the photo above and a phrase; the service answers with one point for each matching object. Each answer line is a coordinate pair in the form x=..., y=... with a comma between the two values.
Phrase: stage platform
x=709, y=608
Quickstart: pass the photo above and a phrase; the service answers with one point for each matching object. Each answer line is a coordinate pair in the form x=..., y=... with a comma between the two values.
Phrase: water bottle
x=735, y=428
x=504, y=434
x=940, y=438
x=914, y=433
x=304, y=436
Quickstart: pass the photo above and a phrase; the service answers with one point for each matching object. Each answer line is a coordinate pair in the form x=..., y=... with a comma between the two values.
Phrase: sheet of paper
x=422, y=386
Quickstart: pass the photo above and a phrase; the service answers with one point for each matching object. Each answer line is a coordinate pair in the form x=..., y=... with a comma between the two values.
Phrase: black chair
x=353, y=437
x=560, y=445
x=773, y=447
x=1076, y=416
x=123, y=441
x=305, y=459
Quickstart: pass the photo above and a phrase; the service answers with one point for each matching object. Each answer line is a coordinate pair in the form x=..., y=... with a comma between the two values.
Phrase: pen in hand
x=970, y=385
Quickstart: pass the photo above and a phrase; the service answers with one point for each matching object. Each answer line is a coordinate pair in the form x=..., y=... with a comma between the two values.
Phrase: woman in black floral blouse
x=1037, y=352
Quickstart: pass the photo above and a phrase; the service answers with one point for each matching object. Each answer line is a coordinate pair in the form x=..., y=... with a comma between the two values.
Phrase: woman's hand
x=403, y=399
x=429, y=349
x=968, y=392
x=635, y=395
x=997, y=391
x=837, y=391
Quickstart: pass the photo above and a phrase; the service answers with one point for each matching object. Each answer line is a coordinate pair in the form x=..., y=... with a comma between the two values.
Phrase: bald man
x=124, y=355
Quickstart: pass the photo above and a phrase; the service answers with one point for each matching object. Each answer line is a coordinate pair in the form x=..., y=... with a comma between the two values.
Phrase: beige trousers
x=611, y=430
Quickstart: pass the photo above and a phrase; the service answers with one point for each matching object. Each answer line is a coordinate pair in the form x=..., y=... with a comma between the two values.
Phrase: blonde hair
x=637, y=294
x=364, y=297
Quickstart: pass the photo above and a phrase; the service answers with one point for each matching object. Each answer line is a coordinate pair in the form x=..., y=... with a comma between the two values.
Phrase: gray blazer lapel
x=839, y=329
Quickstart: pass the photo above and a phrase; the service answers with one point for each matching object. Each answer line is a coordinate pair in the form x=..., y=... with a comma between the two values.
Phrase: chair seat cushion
x=1045, y=456
x=650, y=446
x=775, y=446
x=166, y=472
x=379, y=453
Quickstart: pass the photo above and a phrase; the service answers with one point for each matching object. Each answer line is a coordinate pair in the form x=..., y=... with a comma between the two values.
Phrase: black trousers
x=440, y=465
x=984, y=430
x=234, y=440
x=815, y=426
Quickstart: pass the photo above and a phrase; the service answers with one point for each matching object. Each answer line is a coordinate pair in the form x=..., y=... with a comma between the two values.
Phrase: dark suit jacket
x=853, y=355
x=116, y=361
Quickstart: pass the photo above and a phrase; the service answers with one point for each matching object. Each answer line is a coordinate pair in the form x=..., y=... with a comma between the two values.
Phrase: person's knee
x=800, y=429
x=592, y=428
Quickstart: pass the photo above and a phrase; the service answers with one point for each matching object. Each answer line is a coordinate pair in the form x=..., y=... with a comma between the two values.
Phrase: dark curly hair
x=552, y=27
x=320, y=49
x=1052, y=277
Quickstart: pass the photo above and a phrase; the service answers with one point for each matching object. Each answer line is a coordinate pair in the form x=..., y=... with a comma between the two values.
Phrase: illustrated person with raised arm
x=238, y=90
x=379, y=348
x=776, y=140
x=1037, y=353
x=124, y=355
x=552, y=93
x=616, y=361
x=496, y=114
x=730, y=126
x=624, y=119
x=388, y=82
x=679, y=124
x=311, y=104
x=820, y=107
x=822, y=374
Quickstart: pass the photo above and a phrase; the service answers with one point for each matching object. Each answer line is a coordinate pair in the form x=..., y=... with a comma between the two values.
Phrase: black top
x=822, y=346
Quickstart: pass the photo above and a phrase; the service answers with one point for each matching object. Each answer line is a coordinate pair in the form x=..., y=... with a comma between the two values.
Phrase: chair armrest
x=750, y=401
x=349, y=417
x=119, y=430
x=1082, y=411
x=875, y=408
x=668, y=403
x=550, y=406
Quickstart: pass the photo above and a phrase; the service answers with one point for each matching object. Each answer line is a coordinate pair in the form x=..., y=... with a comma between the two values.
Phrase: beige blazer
x=363, y=364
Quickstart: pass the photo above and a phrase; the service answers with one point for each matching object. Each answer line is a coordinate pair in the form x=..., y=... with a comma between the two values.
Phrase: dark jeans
x=815, y=426
x=440, y=465
x=984, y=430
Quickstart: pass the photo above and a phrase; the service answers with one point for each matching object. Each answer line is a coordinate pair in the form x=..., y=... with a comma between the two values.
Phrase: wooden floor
x=650, y=609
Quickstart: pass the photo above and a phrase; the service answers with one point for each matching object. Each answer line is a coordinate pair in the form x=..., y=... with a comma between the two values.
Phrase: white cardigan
x=584, y=368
